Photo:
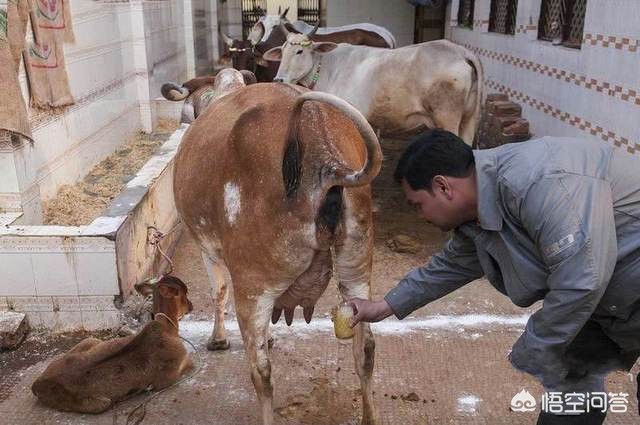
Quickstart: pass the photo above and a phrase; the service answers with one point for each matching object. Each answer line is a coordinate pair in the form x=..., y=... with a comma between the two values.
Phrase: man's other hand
x=368, y=311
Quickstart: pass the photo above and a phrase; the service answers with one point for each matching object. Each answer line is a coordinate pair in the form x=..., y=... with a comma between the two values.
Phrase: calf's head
x=169, y=296
x=298, y=57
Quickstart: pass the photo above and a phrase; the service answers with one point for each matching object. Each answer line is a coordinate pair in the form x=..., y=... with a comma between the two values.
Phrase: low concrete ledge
x=68, y=277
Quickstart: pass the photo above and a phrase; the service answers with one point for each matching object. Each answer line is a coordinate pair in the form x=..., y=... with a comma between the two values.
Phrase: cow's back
x=369, y=78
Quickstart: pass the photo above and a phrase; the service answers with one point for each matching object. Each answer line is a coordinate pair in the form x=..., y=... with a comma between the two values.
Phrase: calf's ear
x=145, y=288
x=273, y=55
x=324, y=47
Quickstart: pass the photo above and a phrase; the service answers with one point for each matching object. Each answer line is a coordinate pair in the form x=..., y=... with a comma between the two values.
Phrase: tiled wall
x=124, y=52
x=397, y=16
x=591, y=92
x=68, y=278
x=60, y=282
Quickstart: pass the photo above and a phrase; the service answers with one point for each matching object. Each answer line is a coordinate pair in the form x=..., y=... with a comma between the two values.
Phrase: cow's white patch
x=467, y=403
x=232, y=204
x=203, y=222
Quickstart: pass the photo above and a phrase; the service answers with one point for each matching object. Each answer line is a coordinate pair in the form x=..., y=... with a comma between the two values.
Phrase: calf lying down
x=95, y=374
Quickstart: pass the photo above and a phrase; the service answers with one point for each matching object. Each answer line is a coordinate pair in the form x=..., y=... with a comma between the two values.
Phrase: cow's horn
x=227, y=40
x=313, y=31
x=341, y=176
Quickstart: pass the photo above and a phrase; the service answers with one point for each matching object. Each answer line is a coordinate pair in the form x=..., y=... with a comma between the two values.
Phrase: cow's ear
x=256, y=33
x=273, y=55
x=324, y=47
x=226, y=57
x=261, y=62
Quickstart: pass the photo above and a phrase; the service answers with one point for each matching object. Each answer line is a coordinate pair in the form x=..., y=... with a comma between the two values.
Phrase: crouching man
x=553, y=219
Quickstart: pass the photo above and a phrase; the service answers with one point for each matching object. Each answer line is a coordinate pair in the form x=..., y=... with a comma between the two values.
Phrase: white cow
x=266, y=23
x=401, y=91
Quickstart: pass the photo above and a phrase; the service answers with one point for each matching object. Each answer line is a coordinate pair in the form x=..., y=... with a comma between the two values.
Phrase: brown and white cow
x=401, y=91
x=273, y=181
x=199, y=92
x=95, y=374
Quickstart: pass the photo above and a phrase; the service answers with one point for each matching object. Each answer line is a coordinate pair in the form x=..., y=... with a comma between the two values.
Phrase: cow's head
x=298, y=56
x=239, y=52
x=169, y=296
x=262, y=29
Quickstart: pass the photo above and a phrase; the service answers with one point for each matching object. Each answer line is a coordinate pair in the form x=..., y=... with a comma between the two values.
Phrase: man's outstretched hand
x=368, y=311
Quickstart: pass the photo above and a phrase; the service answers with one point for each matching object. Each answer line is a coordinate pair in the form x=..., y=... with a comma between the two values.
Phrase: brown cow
x=274, y=181
x=95, y=374
x=198, y=92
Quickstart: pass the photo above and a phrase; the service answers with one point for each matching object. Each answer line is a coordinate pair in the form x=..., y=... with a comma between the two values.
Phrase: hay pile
x=81, y=203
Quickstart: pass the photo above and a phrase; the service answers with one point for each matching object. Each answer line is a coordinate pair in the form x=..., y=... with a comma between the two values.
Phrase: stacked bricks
x=502, y=122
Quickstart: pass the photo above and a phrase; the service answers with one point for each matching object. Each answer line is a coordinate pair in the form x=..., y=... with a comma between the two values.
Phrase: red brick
x=491, y=97
x=504, y=108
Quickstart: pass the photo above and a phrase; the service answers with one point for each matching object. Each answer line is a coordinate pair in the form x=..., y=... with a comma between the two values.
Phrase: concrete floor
x=446, y=364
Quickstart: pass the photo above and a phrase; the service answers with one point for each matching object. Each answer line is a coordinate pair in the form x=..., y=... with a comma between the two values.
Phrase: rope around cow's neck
x=169, y=319
x=136, y=416
x=310, y=82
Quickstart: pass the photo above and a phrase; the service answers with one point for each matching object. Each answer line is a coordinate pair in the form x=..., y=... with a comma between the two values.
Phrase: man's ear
x=273, y=55
x=441, y=185
x=324, y=47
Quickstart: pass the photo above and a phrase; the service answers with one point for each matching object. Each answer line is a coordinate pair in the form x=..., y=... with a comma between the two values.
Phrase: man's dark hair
x=432, y=153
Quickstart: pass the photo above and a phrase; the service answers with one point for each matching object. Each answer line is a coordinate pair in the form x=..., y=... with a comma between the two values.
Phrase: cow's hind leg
x=218, y=339
x=353, y=269
x=254, y=313
x=469, y=127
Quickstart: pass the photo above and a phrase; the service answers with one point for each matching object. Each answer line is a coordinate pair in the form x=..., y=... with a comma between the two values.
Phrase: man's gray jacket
x=559, y=220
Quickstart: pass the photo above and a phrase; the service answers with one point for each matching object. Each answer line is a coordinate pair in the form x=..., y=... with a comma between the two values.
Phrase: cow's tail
x=332, y=175
x=172, y=91
x=474, y=99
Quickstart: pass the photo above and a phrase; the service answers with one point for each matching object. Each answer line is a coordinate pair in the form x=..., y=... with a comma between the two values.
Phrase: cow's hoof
x=214, y=345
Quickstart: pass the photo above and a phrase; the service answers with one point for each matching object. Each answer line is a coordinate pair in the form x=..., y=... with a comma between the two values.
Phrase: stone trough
x=75, y=277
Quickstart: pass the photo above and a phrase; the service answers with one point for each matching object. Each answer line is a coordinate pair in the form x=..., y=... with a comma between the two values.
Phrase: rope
x=137, y=414
x=156, y=237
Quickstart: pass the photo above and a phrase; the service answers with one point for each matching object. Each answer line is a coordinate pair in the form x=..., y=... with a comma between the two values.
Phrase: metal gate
x=251, y=12
x=309, y=11
x=430, y=22
x=562, y=21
